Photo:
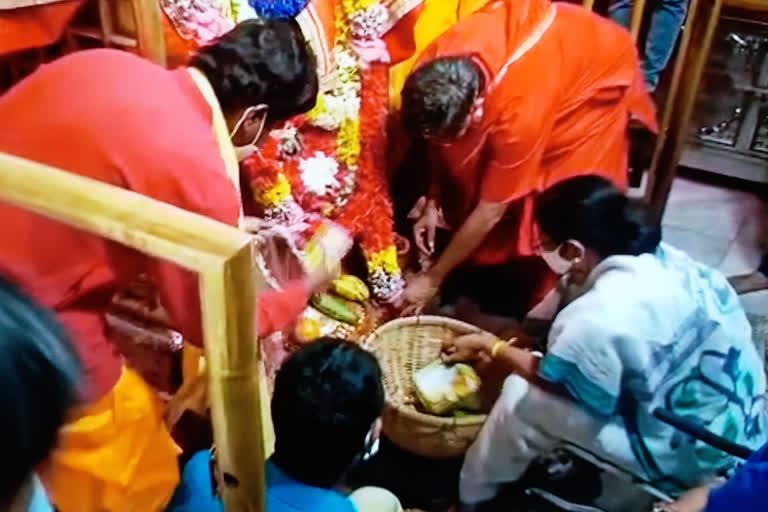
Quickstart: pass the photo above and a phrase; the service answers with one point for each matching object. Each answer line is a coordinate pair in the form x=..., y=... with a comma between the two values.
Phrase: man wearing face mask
x=114, y=117
x=637, y=326
x=514, y=98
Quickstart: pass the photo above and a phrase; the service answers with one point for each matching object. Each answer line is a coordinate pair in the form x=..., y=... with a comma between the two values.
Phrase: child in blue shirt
x=326, y=411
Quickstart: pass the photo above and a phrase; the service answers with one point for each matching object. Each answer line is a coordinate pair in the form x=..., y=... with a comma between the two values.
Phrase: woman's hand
x=425, y=229
x=693, y=501
x=420, y=292
x=468, y=348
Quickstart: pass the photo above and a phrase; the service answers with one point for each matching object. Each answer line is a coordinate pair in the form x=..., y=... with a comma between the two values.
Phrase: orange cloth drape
x=34, y=27
x=117, y=456
x=560, y=109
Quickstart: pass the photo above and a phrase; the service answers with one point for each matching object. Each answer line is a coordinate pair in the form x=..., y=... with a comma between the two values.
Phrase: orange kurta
x=114, y=117
x=563, y=84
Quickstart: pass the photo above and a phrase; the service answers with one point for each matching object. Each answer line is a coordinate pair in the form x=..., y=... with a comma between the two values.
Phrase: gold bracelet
x=496, y=347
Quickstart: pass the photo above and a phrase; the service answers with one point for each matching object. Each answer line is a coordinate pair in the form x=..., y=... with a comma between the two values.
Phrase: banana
x=335, y=308
x=351, y=288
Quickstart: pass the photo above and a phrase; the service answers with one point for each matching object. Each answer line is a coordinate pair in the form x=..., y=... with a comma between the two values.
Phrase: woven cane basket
x=403, y=347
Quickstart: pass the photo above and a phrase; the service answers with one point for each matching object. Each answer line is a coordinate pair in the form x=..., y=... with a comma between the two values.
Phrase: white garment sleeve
x=582, y=355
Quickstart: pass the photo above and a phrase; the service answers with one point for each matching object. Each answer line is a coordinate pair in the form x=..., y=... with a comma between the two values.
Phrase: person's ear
x=254, y=118
x=478, y=109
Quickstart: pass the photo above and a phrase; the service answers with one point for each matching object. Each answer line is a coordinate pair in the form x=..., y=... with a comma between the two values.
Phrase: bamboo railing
x=222, y=257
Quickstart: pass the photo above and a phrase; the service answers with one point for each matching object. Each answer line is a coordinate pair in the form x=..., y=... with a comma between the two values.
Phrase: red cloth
x=34, y=27
x=117, y=118
x=560, y=110
x=277, y=310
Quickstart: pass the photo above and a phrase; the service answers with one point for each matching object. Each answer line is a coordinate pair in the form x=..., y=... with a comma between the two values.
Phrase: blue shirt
x=284, y=494
x=39, y=501
x=747, y=490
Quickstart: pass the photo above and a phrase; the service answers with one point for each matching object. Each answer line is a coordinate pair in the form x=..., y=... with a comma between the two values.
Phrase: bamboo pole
x=636, y=22
x=107, y=22
x=702, y=22
x=227, y=300
x=149, y=30
x=152, y=227
x=672, y=94
x=222, y=255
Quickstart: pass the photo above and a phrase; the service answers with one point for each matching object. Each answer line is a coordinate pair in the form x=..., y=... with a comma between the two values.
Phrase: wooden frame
x=703, y=17
x=695, y=44
x=130, y=24
x=228, y=279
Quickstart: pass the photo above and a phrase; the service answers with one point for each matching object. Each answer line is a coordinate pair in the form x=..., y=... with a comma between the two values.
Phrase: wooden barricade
x=222, y=256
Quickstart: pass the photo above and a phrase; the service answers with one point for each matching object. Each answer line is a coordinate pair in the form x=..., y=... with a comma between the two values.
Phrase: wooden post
x=636, y=22
x=149, y=30
x=227, y=299
x=222, y=255
x=588, y=4
x=702, y=22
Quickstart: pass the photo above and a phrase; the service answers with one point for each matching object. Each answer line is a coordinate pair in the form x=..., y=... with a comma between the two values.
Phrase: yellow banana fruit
x=351, y=288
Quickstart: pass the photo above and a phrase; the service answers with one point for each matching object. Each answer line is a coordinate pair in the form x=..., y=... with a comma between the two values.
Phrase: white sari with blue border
x=662, y=330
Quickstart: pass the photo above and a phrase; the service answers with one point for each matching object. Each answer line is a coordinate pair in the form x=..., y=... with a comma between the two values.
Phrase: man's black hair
x=326, y=397
x=437, y=98
x=261, y=61
x=39, y=374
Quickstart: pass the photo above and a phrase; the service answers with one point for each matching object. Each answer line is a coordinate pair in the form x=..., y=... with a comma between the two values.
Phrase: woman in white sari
x=637, y=325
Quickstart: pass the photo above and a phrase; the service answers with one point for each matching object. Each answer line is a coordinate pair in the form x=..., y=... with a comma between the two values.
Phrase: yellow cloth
x=220, y=131
x=436, y=17
x=117, y=457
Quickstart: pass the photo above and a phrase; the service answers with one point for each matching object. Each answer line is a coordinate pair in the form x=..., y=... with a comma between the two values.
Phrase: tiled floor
x=722, y=224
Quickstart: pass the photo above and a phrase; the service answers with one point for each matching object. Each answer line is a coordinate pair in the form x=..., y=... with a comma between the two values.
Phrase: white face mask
x=244, y=152
x=557, y=263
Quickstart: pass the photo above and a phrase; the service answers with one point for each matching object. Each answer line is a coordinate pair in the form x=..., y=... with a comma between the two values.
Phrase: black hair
x=592, y=210
x=261, y=61
x=39, y=375
x=438, y=97
x=327, y=395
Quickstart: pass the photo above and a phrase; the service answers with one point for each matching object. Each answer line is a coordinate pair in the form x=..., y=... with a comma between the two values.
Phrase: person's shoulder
x=101, y=62
x=285, y=494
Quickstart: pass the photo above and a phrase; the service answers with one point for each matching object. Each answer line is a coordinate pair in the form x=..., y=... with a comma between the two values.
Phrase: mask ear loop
x=580, y=247
x=245, y=116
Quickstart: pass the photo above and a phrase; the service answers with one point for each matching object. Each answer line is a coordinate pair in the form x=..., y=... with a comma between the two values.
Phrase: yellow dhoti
x=118, y=456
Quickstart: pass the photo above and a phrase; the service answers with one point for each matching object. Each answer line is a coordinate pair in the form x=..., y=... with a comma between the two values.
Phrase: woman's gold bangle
x=496, y=347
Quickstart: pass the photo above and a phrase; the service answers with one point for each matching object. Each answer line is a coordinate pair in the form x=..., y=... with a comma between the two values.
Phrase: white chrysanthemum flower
x=370, y=23
x=344, y=58
x=318, y=173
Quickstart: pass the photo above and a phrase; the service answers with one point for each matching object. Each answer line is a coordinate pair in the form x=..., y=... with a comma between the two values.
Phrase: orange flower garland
x=338, y=170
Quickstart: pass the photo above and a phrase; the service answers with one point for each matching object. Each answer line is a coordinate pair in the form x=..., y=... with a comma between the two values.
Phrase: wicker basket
x=404, y=346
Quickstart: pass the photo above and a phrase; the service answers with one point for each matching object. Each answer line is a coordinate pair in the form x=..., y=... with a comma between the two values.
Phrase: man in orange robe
x=111, y=116
x=516, y=97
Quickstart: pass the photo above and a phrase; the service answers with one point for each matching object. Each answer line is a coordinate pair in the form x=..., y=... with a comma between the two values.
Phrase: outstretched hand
x=419, y=293
x=469, y=348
